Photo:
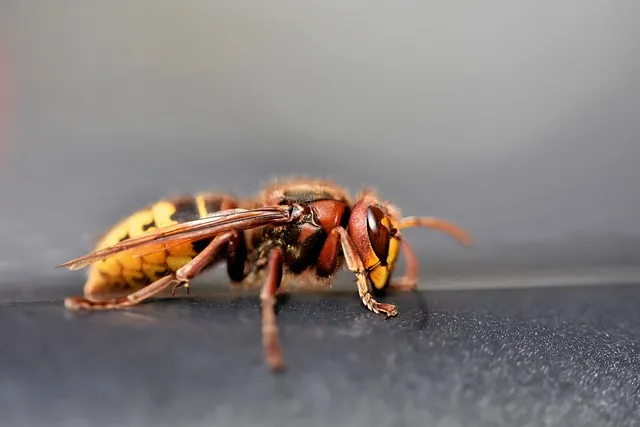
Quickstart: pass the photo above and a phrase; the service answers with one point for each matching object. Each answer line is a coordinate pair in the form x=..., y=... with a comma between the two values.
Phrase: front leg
x=354, y=263
x=408, y=282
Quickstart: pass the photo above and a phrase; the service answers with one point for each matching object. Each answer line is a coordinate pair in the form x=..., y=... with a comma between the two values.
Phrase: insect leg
x=354, y=263
x=328, y=258
x=200, y=261
x=236, y=257
x=409, y=281
x=77, y=303
x=182, y=276
x=270, y=339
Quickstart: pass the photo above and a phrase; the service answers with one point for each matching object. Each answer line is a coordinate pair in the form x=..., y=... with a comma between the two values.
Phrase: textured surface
x=553, y=357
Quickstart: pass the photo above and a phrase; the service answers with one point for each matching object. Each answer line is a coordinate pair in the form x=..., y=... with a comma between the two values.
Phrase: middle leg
x=270, y=338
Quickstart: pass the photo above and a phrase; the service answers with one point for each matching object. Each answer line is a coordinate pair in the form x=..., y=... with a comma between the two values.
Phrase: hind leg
x=180, y=278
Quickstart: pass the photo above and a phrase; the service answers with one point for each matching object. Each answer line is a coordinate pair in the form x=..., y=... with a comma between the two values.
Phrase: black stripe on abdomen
x=186, y=210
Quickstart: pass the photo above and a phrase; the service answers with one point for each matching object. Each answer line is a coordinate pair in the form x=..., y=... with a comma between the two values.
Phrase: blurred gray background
x=517, y=120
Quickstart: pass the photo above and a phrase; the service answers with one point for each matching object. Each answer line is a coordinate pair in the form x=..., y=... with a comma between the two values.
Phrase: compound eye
x=379, y=234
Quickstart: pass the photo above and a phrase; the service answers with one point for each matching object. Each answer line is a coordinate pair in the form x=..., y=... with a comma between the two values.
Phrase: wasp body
x=299, y=229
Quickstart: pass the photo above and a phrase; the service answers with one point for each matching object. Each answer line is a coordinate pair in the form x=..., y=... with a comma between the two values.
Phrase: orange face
x=376, y=239
x=385, y=246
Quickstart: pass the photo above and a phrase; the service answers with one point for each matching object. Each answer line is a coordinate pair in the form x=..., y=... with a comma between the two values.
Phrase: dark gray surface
x=553, y=357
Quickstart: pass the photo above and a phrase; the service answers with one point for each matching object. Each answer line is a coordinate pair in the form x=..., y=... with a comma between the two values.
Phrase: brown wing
x=232, y=219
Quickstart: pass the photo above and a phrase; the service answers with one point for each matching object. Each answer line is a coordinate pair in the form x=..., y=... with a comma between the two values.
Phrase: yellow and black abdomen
x=130, y=270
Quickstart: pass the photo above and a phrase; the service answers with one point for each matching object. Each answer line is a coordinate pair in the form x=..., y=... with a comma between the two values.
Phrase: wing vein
x=219, y=222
